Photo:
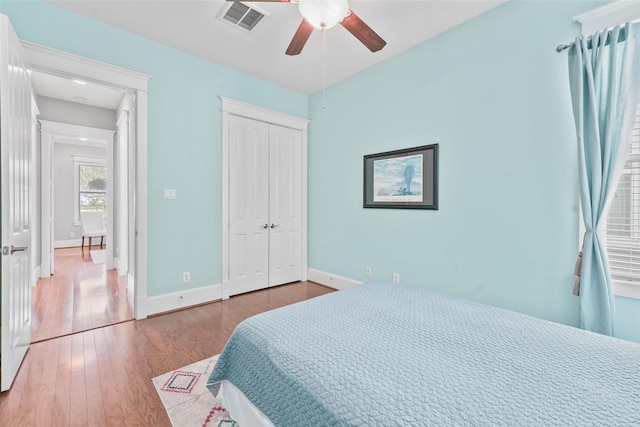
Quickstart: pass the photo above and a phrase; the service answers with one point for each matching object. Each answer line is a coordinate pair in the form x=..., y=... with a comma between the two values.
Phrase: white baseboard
x=34, y=281
x=119, y=266
x=331, y=280
x=45, y=270
x=148, y=306
x=68, y=243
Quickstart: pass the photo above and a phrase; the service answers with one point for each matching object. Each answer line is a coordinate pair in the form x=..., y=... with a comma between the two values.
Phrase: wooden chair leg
x=90, y=241
x=101, y=240
x=82, y=242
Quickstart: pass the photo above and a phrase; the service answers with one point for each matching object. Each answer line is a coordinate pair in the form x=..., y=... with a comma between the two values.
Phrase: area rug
x=98, y=256
x=187, y=400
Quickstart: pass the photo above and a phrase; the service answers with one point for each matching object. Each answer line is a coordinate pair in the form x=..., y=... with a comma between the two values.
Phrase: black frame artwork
x=402, y=179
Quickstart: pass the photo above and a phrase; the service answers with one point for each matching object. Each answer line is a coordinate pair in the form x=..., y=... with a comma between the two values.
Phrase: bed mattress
x=383, y=354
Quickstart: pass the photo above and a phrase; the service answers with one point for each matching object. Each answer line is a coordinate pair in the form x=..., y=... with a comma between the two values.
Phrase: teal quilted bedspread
x=384, y=354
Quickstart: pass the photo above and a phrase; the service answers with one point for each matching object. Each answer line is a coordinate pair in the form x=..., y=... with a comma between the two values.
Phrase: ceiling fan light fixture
x=323, y=14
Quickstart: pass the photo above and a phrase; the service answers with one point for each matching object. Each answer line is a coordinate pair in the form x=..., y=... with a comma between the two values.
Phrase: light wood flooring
x=102, y=377
x=80, y=295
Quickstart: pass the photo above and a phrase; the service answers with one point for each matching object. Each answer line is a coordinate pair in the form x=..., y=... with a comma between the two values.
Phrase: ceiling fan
x=324, y=14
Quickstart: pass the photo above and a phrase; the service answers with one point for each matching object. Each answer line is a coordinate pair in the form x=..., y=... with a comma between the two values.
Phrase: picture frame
x=402, y=179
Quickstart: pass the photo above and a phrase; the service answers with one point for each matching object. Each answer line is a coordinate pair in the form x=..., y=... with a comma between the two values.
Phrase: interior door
x=248, y=205
x=15, y=168
x=285, y=205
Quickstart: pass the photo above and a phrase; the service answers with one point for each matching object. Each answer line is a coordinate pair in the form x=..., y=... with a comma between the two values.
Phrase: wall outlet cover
x=169, y=193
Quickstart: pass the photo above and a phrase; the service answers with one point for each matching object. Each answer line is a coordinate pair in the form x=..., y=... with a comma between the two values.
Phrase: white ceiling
x=192, y=26
x=69, y=90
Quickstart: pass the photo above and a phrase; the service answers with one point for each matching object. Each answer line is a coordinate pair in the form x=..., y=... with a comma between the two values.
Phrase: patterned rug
x=187, y=400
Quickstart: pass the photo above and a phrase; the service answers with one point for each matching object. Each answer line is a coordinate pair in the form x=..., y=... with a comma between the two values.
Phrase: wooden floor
x=102, y=377
x=79, y=296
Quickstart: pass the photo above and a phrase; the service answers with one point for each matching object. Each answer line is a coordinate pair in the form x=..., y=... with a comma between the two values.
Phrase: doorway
x=127, y=266
x=81, y=177
x=78, y=289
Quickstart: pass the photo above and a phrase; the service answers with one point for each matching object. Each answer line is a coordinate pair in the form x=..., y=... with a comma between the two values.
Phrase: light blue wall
x=494, y=94
x=184, y=145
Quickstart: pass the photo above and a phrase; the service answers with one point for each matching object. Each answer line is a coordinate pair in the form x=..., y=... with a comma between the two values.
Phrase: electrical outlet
x=367, y=271
x=186, y=277
x=396, y=278
x=72, y=234
x=169, y=194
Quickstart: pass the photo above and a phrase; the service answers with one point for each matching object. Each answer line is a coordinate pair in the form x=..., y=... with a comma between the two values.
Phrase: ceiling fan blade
x=363, y=32
x=300, y=38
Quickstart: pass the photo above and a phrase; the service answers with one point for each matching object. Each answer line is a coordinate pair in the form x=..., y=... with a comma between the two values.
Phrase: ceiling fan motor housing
x=323, y=14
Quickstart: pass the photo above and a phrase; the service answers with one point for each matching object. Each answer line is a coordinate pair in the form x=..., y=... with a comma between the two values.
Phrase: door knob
x=265, y=226
x=274, y=225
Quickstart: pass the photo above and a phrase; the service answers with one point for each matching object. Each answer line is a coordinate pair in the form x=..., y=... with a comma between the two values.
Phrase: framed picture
x=402, y=179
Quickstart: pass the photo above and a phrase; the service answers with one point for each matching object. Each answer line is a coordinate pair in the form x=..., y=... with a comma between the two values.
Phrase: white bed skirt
x=240, y=408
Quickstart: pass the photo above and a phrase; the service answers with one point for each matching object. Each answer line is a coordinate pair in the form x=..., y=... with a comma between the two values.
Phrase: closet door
x=285, y=205
x=248, y=205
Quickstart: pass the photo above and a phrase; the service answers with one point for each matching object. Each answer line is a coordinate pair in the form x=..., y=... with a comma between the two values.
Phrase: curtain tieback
x=577, y=271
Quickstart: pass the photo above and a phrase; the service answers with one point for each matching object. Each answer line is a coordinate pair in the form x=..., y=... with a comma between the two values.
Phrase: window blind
x=623, y=219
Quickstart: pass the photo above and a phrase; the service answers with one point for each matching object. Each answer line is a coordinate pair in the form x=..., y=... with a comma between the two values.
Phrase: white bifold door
x=265, y=205
x=15, y=170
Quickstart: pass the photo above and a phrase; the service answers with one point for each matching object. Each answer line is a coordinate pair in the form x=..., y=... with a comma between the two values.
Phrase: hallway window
x=93, y=188
x=90, y=185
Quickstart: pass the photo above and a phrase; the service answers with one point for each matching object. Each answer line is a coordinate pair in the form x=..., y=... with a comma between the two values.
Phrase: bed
x=385, y=354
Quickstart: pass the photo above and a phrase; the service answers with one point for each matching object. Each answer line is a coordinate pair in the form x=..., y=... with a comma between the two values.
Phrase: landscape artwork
x=402, y=179
x=398, y=179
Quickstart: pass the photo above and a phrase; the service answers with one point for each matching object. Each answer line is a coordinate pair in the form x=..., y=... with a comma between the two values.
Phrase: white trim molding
x=608, y=16
x=34, y=192
x=71, y=134
x=628, y=290
x=72, y=243
x=242, y=109
x=179, y=300
x=64, y=64
x=331, y=280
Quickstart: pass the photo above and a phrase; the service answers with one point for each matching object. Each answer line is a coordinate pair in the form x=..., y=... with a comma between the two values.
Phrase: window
x=623, y=218
x=90, y=186
x=93, y=188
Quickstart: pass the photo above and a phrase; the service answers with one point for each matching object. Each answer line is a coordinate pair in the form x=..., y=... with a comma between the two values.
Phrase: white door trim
x=58, y=62
x=242, y=109
x=122, y=141
x=61, y=63
x=34, y=188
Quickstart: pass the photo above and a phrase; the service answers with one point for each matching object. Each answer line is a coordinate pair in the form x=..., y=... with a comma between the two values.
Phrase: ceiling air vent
x=242, y=15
